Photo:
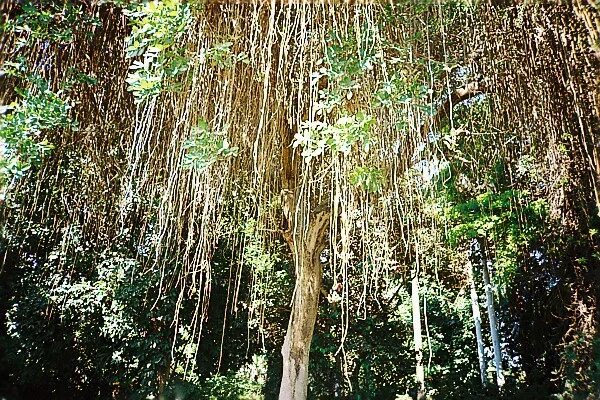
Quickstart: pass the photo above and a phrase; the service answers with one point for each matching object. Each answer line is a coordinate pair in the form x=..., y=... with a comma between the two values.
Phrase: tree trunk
x=493, y=324
x=588, y=12
x=163, y=378
x=420, y=372
x=477, y=321
x=296, y=346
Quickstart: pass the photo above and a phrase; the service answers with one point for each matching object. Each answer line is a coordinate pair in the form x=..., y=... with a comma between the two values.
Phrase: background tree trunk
x=493, y=324
x=420, y=372
x=477, y=322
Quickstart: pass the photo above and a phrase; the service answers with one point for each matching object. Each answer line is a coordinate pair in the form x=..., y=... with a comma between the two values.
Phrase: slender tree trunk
x=477, y=321
x=493, y=324
x=163, y=377
x=296, y=346
x=420, y=372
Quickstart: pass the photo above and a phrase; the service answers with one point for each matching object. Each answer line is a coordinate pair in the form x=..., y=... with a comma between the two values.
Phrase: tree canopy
x=247, y=200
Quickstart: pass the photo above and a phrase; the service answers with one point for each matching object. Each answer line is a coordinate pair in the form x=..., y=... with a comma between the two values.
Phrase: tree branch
x=458, y=96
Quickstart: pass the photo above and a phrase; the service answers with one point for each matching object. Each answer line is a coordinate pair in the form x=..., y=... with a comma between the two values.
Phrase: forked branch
x=444, y=111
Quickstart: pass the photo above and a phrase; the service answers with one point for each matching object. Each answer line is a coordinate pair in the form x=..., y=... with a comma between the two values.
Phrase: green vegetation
x=206, y=147
x=347, y=131
x=158, y=28
x=22, y=125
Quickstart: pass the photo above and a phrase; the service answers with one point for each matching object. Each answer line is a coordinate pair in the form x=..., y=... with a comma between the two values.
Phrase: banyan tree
x=318, y=127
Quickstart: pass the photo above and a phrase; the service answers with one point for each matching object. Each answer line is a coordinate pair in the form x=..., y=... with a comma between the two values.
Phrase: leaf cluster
x=206, y=147
x=157, y=27
x=317, y=137
x=22, y=124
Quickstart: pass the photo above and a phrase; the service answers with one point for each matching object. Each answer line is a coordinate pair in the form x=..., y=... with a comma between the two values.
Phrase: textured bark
x=589, y=13
x=305, y=236
x=493, y=325
x=296, y=347
x=477, y=322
